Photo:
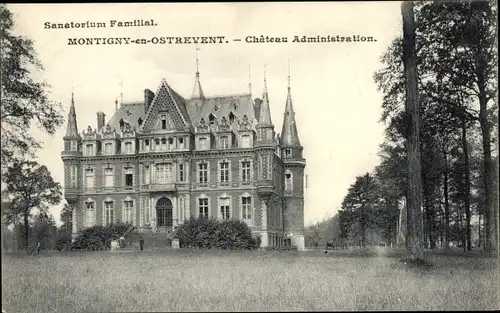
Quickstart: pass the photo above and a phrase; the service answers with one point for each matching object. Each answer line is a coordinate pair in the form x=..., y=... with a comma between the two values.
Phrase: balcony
x=159, y=187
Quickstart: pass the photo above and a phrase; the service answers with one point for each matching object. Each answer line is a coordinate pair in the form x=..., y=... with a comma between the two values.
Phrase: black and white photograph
x=250, y=156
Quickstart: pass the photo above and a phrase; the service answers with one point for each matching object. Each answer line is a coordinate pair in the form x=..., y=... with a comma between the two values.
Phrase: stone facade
x=157, y=162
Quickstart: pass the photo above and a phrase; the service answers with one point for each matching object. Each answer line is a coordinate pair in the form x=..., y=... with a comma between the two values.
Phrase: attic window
x=231, y=117
x=216, y=108
x=211, y=118
x=128, y=113
x=121, y=123
x=140, y=121
x=235, y=105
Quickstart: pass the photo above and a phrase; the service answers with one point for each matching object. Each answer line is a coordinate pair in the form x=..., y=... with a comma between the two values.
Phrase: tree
x=461, y=47
x=29, y=186
x=67, y=218
x=23, y=100
x=412, y=138
x=45, y=230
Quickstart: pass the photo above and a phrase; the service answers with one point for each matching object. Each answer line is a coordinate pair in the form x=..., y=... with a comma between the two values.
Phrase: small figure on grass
x=141, y=243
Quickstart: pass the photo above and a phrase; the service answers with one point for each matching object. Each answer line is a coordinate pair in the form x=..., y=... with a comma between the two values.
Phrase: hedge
x=208, y=233
x=99, y=237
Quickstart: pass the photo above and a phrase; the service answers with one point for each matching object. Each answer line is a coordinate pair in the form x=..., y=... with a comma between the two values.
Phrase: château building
x=157, y=162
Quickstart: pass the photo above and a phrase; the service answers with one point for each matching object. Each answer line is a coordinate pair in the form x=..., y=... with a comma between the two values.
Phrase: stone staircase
x=152, y=241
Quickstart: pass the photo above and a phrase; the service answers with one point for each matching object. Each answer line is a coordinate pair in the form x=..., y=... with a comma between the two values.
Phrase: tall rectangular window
x=224, y=172
x=181, y=172
x=127, y=211
x=128, y=147
x=108, y=148
x=225, y=212
x=171, y=145
x=224, y=142
x=245, y=141
x=288, y=182
x=203, y=207
x=203, y=173
x=146, y=174
x=73, y=175
x=246, y=206
x=108, y=177
x=89, y=178
x=129, y=177
x=146, y=145
x=74, y=145
x=108, y=212
x=203, y=142
x=164, y=173
x=163, y=122
x=245, y=171
x=181, y=143
x=89, y=214
x=89, y=150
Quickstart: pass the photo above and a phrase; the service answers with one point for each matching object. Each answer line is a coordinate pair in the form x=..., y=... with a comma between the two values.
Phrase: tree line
x=455, y=59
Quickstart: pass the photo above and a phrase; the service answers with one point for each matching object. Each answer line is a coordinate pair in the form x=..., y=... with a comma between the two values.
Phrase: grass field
x=181, y=280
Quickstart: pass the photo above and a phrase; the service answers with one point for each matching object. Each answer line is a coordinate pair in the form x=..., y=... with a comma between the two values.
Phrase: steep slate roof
x=193, y=109
x=130, y=112
x=72, y=126
x=289, y=134
x=221, y=106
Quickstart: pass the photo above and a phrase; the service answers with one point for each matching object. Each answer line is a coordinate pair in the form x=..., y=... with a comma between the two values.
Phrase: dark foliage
x=99, y=237
x=208, y=233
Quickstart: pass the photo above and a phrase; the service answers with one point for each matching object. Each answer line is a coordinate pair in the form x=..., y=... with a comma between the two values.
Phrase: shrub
x=99, y=237
x=63, y=241
x=207, y=233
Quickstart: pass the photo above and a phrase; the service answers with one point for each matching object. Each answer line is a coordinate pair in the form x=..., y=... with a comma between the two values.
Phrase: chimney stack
x=100, y=120
x=148, y=98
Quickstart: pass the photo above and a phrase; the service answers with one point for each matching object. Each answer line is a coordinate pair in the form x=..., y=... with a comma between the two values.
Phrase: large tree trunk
x=467, y=184
x=490, y=214
x=26, y=231
x=446, y=206
x=413, y=137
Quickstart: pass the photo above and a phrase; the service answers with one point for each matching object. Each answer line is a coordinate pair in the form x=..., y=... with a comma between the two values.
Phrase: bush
x=63, y=241
x=207, y=233
x=99, y=237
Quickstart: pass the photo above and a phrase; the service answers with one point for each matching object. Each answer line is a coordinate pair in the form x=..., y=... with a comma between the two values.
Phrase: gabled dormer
x=129, y=139
x=245, y=133
x=225, y=135
x=109, y=140
x=90, y=142
x=203, y=136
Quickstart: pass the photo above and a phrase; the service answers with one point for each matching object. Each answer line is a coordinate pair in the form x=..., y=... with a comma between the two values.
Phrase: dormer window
x=171, y=143
x=231, y=117
x=211, y=118
x=235, y=106
x=224, y=142
x=163, y=122
x=89, y=149
x=203, y=142
x=139, y=121
x=245, y=141
x=146, y=142
x=128, y=147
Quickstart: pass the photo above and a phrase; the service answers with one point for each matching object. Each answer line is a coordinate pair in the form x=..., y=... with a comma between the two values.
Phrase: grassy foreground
x=242, y=281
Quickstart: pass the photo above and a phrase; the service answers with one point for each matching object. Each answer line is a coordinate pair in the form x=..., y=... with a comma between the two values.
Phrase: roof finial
x=265, y=77
x=197, y=62
x=289, y=70
x=121, y=90
x=116, y=104
x=72, y=96
x=249, y=79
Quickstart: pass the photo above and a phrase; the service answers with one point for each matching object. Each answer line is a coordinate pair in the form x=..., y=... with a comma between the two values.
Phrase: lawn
x=182, y=280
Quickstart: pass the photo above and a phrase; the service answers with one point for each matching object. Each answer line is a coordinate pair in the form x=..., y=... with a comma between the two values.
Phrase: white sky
x=335, y=99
